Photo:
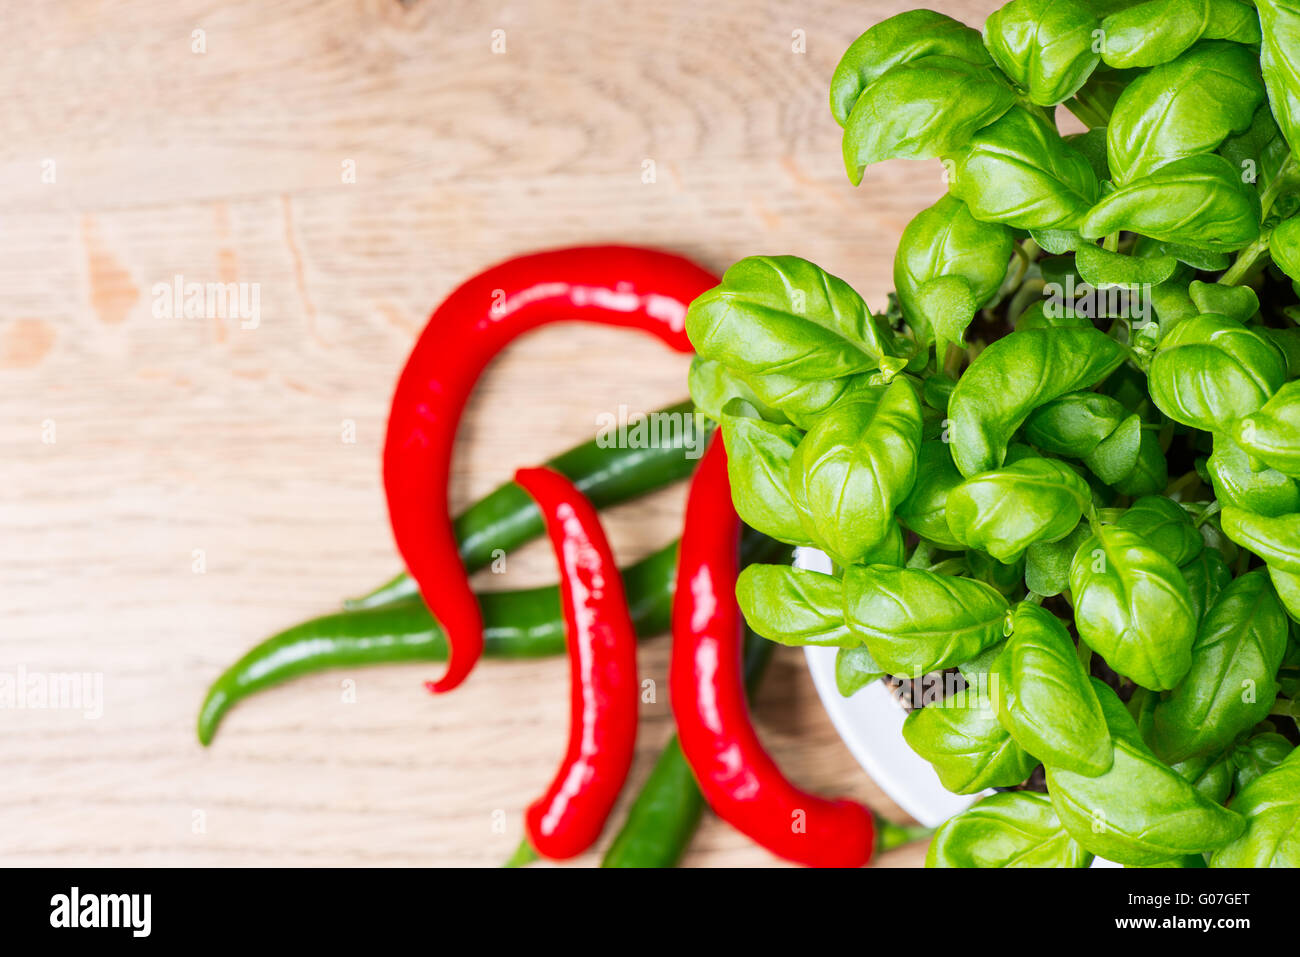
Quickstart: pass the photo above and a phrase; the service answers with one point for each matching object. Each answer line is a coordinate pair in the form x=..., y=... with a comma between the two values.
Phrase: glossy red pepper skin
x=611, y=285
x=569, y=817
x=737, y=776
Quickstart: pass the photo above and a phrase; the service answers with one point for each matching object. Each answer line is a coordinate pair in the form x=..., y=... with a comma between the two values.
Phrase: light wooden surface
x=176, y=435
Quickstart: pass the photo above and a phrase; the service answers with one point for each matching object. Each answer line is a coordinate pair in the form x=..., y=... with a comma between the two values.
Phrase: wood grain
x=134, y=444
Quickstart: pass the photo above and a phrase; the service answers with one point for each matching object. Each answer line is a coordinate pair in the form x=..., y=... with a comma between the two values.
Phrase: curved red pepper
x=739, y=780
x=611, y=285
x=569, y=817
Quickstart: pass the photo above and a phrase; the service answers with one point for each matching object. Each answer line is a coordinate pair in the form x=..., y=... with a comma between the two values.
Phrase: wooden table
x=177, y=488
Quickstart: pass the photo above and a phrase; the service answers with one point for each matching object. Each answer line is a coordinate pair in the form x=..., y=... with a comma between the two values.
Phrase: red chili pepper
x=610, y=285
x=569, y=817
x=739, y=780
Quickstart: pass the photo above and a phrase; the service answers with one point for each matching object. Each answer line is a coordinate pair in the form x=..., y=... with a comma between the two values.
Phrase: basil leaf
x=1008, y=579
x=1231, y=684
x=855, y=466
x=1276, y=539
x=898, y=39
x=1211, y=370
x=1237, y=480
x=1150, y=473
x=713, y=385
x=1206, y=576
x=1257, y=756
x=1160, y=30
x=1199, y=201
x=855, y=669
x=982, y=664
x=916, y=621
x=949, y=305
x=793, y=606
x=1141, y=708
x=1288, y=343
x=1183, y=108
x=969, y=749
x=1235, y=302
x=1075, y=424
x=1199, y=259
x=890, y=550
x=1131, y=606
x=1044, y=698
x=1092, y=146
x=946, y=242
x=802, y=401
x=1004, y=511
x=1008, y=829
x=1164, y=525
x=1260, y=151
x=936, y=390
x=1209, y=775
x=1141, y=811
x=1172, y=303
x=1102, y=268
x=1047, y=564
x=925, y=510
x=1019, y=171
x=1045, y=46
x=1280, y=22
x=1287, y=585
x=758, y=468
x=1271, y=806
x=909, y=112
x=1057, y=242
x=784, y=315
x=1015, y=375
x=1116, y=457
x=1272, y=434
x=1284, y=246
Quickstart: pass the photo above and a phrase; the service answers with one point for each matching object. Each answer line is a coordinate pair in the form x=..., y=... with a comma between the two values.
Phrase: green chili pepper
x=507, y=518
x=516, y=624
x=664, y=816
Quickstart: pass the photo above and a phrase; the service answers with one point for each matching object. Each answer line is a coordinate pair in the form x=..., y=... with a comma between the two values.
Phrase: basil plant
x=1058, y=471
